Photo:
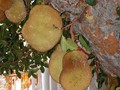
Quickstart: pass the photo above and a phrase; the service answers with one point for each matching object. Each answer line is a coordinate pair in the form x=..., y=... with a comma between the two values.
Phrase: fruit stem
x=69, y=25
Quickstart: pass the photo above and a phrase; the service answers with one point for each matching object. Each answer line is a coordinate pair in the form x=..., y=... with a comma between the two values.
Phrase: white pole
x=39, y=80
x=53, y=84
x=45, y=80
x=18, y=84
x=33, y=83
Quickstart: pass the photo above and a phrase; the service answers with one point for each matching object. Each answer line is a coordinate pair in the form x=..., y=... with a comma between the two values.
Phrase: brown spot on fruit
x=2, y=15
x=5, y=4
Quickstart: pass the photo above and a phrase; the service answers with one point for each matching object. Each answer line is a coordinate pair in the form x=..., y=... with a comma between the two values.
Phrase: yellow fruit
x=55, y=65
x=2, y=15
x=43, y=28
x=17, y=12
x=76, y=73
x=5, y=4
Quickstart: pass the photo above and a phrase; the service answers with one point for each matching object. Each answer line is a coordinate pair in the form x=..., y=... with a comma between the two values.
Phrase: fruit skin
x=55, y=64
x=5, y=4
x=17, y=12
x=76, y=73
x=2, y=15
x=43, y=28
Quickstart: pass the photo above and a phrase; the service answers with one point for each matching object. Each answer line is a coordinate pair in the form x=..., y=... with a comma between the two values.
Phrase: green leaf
x=68, y=44
x=84, y=43
x=118, y=10
x=71, y=45
x=34, y=75
x=63, y=16
x=35, y=70
x=91, y=2
x=18, y=74
x=32, y=72
x=21, y=68
x=63, y=44
x=101, y=79
x=29, y=74
x=42, y=69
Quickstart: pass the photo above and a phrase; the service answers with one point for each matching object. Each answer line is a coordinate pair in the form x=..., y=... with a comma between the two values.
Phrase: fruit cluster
x=43, y=31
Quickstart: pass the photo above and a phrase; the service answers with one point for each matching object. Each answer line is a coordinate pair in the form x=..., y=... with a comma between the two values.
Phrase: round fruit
x=43, y=28
x=76, y=73
x=55, y=65
x=5, y=4
x=17, y=12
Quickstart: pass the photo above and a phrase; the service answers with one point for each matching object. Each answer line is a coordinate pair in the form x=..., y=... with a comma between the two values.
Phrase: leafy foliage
x=15, y=54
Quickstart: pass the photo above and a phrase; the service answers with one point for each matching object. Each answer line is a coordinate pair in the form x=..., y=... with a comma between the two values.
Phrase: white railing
x=45, y=82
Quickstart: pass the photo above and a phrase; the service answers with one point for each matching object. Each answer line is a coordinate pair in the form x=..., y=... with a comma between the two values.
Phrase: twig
x=67, y=26
x=71, y=33
x=79, y=18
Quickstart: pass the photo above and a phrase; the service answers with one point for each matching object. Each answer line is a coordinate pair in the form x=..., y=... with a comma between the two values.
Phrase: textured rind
x=43, y=28
x=102, y=30
x=2, y=15
x=76, y=73
x=17, y=12
x=55, y=64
